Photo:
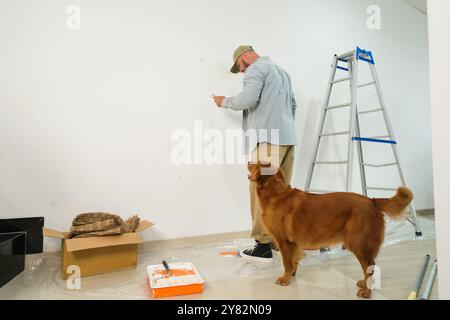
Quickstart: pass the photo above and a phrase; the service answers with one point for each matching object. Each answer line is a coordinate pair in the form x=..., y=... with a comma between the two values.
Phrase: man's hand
x=218, y=100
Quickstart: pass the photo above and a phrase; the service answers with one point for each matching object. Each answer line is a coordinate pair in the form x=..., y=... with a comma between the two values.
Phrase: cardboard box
x=31, y=226
x=12, y=256
x=95, y=255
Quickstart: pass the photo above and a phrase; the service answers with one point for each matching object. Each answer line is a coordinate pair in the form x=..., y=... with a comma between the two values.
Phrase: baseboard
x=197, y=240
x=425, y=212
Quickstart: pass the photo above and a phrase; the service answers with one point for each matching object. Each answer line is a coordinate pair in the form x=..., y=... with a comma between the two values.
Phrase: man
x=268, y=106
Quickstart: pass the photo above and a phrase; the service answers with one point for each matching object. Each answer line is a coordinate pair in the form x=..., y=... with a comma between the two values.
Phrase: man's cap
x=237, y=53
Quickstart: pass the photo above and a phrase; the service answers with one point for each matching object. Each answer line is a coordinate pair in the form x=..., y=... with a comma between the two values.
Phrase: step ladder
x=350, y=60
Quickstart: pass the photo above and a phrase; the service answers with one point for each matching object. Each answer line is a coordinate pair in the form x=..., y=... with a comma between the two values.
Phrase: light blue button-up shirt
x=267, y=102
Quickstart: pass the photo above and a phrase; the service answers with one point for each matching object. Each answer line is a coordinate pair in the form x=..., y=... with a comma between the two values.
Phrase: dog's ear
x=254, y=171
x=280, y=174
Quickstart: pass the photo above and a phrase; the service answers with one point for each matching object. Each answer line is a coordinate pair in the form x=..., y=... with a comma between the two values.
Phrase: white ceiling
x=420, y=5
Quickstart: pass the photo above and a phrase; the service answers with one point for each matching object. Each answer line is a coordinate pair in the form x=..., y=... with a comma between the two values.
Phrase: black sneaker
x=274, y=246
x=260, y=253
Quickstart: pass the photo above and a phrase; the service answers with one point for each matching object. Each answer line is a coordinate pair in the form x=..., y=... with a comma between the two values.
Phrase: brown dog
x=298, y=220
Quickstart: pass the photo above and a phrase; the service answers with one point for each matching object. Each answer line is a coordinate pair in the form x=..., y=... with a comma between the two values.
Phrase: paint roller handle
x=413, y=294
x=429, y=286
x=165, y=264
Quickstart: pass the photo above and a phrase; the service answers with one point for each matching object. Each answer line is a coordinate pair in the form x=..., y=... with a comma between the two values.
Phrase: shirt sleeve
x=250, y=95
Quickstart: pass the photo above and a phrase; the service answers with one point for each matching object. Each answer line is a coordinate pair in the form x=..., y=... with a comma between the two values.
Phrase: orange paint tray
x=184, y=279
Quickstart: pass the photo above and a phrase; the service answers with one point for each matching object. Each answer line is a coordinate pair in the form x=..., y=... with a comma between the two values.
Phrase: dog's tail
x=395, y=207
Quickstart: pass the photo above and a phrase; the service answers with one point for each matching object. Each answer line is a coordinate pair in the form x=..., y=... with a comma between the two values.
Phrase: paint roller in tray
x=175, y=279
x=166, y=265
x=180, y=275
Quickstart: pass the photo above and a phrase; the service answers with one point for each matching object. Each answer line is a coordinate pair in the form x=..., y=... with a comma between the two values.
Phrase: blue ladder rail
x=374, y=140
x=342, y=68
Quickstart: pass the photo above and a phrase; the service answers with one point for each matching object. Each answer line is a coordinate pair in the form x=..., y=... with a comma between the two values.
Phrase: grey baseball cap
x=237, y=53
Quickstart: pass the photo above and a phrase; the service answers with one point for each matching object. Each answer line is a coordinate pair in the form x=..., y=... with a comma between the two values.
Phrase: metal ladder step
x=380, y=165
x=379, y=188
x=341, y=80
x=330, y=162
x=346, y=56
x=320, y=191
x=334, y=134
x=339, y=106
x=369, y=111
x=366, y=84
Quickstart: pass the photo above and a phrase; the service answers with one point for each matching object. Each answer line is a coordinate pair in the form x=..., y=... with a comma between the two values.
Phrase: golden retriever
x=298, y=219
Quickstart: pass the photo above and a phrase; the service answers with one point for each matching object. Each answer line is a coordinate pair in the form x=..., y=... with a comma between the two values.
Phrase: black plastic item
x=32, y=227
x=12, y=256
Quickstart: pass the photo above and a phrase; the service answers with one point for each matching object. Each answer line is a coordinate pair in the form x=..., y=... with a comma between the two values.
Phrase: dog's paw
x=360, y=284
x=364, y=293
x=282, y=282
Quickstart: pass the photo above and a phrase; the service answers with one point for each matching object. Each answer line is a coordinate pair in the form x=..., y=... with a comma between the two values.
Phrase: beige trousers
x=279, y=156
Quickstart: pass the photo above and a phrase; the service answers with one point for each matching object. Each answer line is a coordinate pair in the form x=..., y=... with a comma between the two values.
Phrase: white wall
x=87, y=115
x=440, y=113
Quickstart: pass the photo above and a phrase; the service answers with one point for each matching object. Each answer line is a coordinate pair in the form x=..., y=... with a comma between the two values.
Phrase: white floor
x=330, y=275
